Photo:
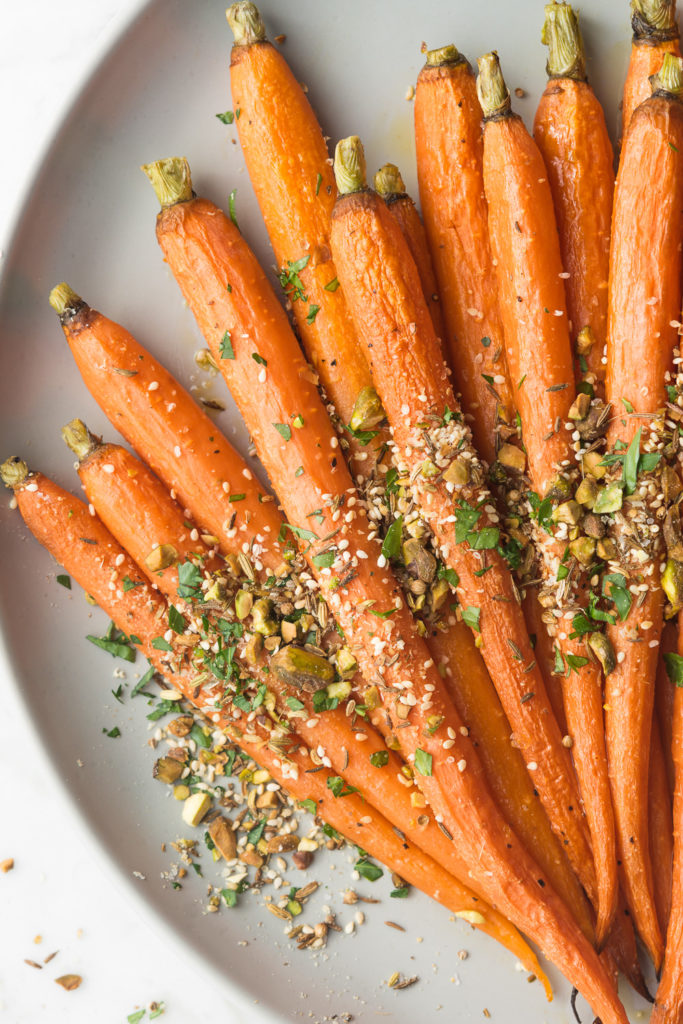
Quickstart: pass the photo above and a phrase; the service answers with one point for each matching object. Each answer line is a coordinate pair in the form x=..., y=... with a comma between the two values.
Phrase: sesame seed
x=462, y=764
x=153, y=385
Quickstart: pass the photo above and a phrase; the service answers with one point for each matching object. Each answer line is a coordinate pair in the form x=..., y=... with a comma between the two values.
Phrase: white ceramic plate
x=89, y=219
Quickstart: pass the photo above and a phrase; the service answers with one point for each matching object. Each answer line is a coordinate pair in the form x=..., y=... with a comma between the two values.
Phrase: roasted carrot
x=389, y=184
x=661, y=827
x=655, y=32
x=289, y=168
x=138, y=510
x=204, y=250
x=164, y=424
x=570, y=131
x=544, y=649
x=669, y=1001
x=644, y=307
x=99, y=344
x=83, y=545
x=449, y=167
x=664, y=699
x=525, y=245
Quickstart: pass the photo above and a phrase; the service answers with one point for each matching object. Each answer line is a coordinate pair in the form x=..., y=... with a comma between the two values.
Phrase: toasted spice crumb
x=32, y=963
x=7, y=865
x=69, y=981
x=392, y=924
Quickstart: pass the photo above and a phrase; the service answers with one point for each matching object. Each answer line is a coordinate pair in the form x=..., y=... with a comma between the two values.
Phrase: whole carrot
x=289, y=168
x=389, y=184
x=644, y=307
x=655, y=33
x=164, y=424
x=570, y=131
x=525, y=245
x=661, y=827
x=364, y=603
x=449, y=166
x=664, y=699
x=669, y=1000
x=83, y=545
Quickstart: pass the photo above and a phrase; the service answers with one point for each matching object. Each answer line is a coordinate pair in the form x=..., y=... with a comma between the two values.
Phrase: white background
x=57, y=890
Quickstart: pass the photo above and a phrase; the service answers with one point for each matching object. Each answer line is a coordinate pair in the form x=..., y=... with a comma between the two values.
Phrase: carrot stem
x=566, y=58
x=170, y=180
x=79, y=439
x=349, y=166
x=491, y=88
x=389, y=183
x=246, y=23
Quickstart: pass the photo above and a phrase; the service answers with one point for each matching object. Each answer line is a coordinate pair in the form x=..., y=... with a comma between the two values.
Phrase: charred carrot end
x=171, y=180
x=561, y=35
x=654, y=21
x=246, y=24
x=79, y=439
x=14, y=472
x=491, y=88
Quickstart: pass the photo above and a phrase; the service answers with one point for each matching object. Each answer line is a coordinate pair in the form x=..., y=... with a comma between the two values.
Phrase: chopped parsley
x=368, y=869
x=423, y=762
x=226, y=349
x=471, y=616
x=291, y=283
x=391, y=545
x=284, y=430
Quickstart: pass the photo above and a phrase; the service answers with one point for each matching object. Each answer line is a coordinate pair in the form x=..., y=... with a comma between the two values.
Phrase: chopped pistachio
x=244, y=601
x=671, y=484
x=591, y=464
x=585, y=341
x=568, y=512
x=371, y=698
x=288, y=631
x=367, y=410
x=253, y=648
x=602, y=648
x=346, y=663
x=301, y=668
x=181, y=792
x=429, y=469
x=262, y=617
x=606, y=549
x=418, y=561
x=594, y=423
x=672, y=585
x=512, y=458
x=583, y=549
x=672, y=534
x=587, y=492
x=609, y=499
x=559, y=489
x=195, y=808
x=593, y=526
x=457, y=473
x=224, y=838
x=340, y=690
x=168, y=770
x=580, y=407
x=161, y=557
x=217, y=591
x=439, y=593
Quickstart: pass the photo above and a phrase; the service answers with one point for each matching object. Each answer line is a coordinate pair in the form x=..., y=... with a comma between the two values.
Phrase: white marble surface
x=57, y=891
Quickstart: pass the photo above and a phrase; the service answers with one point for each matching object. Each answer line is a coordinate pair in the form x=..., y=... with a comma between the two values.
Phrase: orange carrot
x=661, y=827
x=525, y=245
x=164, y=424
x=289, y=168
x=144, y=519
x=655, y=33
x=669, y=1002
x=83, y=545
x=449, y=166
x=204, y=250
x=570, y=131
x=664, y=699
x=544, y=649
x=644, y=300
x=389, y=184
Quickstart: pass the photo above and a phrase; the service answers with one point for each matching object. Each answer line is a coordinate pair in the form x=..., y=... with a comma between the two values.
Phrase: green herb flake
x=176, y=621
x=618, y=593
x=237, y=497
x=486, y=342
x=379, y=759
x=189, y=582
x=313, y=311
x=299, y=471
x=229, y=896
x=575, y=662
x=368, y=869
x=160, y=644
x=291, y=283
x=117, y=693
x=112, y=733
x=65, y=581
x=391, y=545
x=136, y=1017
x=627, y=405
x=674, y=667
x=309, y=805
x=129, y=584
x=114, y=645
x=332, y=285
x=631, y=458
x=470, y=616
x=382, y=615
x=399, y=894
x=284, y=430
x=318, y=183
x=325, y=560
x=226, y=349
x=227, y=118
x=200, y=737
x=423, y=762
x=231, y=208
x=450, y=575
x=338, y=786
x=293, y=704
x=259, y=359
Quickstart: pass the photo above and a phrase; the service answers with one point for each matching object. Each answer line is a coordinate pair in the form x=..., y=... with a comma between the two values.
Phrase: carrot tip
x=171, y=180
x=79, y=439
x=64, y=299
x=449, y=54
x=388, y=181
x=13, y=472
x=246, y=23
x=491, y=88
x=565, y=46
x=349, y=165
x=669, y=78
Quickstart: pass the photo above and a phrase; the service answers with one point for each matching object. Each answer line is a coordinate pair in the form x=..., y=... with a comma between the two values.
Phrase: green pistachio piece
x=602, y=648
x=569, y=512
x=587, y=491
x=168, y=770
x=367, y=410
x=512, y=458
x=419, y=562
x=161, y=557
x=244, y=601
x=302, y=669
x=583, y=549
x=457, y=472
x=346, y=663
x=262, y=617
x=672, y=584
x=609, y=499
